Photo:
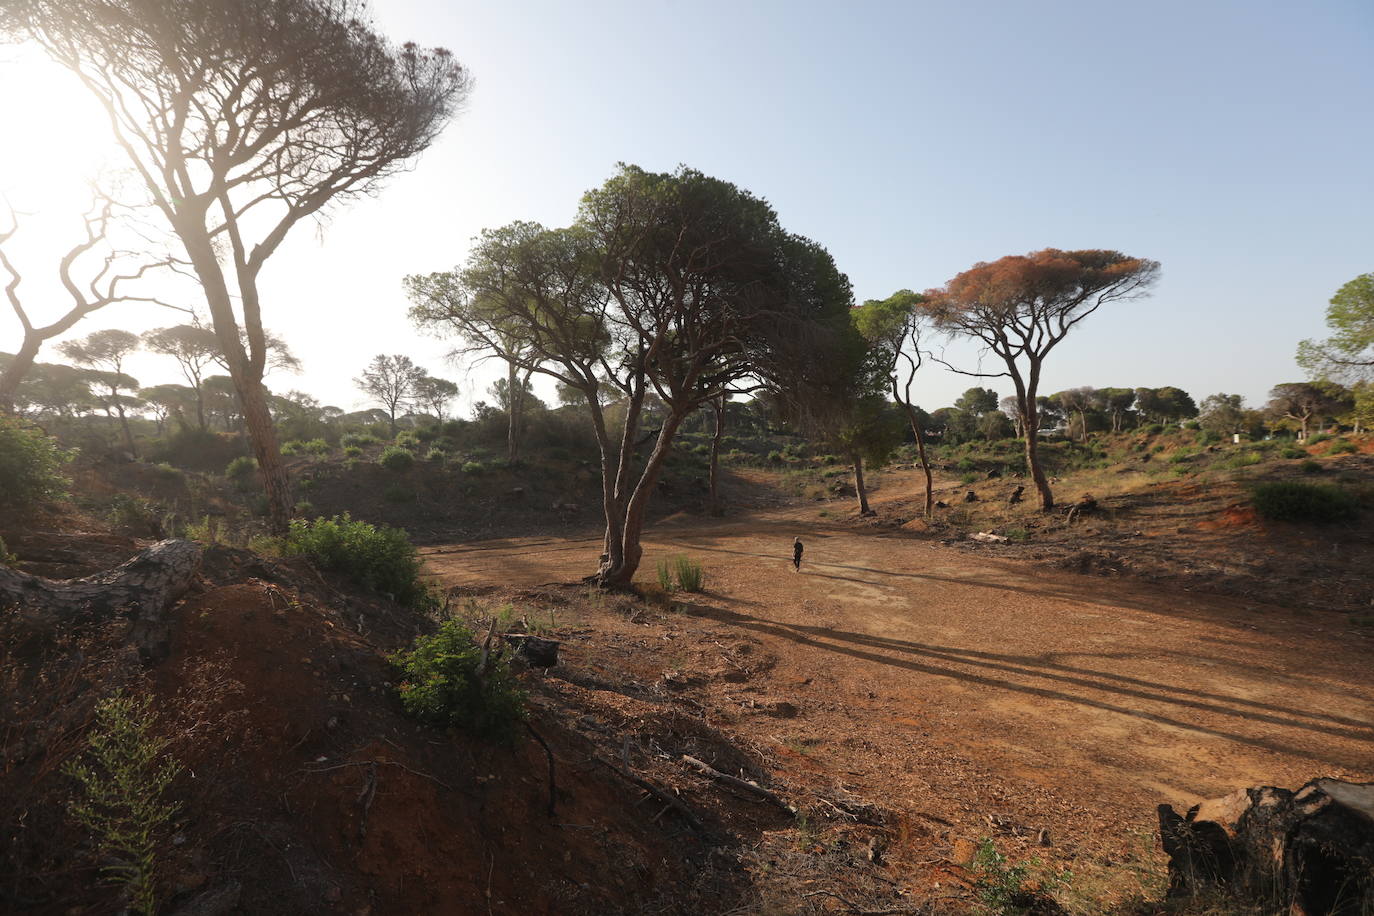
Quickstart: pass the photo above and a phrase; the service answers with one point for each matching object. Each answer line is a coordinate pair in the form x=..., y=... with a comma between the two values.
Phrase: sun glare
x=56, y=139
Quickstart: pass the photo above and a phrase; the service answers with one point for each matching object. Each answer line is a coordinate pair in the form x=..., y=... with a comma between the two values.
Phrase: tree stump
x=1087, y=505
x=1307, y=853
x=143, y=588
x=1017, y=495
x=970, y=497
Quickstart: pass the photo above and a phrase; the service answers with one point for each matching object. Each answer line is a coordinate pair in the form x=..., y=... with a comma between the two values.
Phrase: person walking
x=797, y=554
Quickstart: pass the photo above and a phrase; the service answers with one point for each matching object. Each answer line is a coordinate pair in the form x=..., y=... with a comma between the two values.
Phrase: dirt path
x=921, y=669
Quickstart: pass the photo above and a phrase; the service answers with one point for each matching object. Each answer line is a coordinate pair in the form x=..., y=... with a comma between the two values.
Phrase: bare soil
x=964, y=694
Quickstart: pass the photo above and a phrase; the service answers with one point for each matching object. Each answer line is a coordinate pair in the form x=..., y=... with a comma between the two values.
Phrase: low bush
x=690, y=577
x=123, y=780
x=378, y=558
x=1319, y=437
x=315, y=447
x=665, y=575
x=358, y=439
x=444, y=681
x=1295, y=501
x=475, y=468
x=1343, y=447
x=294, y=447
x=242, y=472
x=352, y=451
x=396, y=459
x=30, y=465
x=1293, y=454
x=1310, y=467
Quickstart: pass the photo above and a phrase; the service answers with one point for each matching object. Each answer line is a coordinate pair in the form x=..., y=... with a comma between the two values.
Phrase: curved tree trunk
x=631, y=551
x=124, y=422
x=16, y=370
x=262, y=435
x=143, y=587
x=718, y=406
x=921, y=453
x=859, y=484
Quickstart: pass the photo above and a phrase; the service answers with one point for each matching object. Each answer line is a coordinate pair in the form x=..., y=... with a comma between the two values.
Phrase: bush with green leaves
x=123, y=780
x=1013, y=890
x=30, y=465
x=358, y=439
x=242, y=472
x=352, y=451
x=1298, y=501
x=1293, y=454
x=397, y=459
x=475, y=468
x=315, y=447
x=1343, y=447
x=294, y=447
x=378, y=558
x=446, y=680
x=1310, y=467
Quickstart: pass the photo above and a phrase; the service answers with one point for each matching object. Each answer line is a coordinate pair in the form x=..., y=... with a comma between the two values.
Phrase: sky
x=1231, y=141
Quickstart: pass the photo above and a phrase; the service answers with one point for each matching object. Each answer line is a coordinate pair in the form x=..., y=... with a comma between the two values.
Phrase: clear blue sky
x=1233, y=142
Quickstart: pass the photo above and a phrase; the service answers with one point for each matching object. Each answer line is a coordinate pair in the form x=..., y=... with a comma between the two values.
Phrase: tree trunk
x=859, y=484
x=1037, y=473
x=262, y=435
x=630, y=549
x=144, y=588
x=512, y=414
x=718, y=406
x=124, y=422
x=14, y=373
x=1306, y=853
x=921, y=453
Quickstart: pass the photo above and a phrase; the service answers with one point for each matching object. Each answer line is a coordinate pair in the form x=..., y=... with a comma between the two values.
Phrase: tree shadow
x=925, y=659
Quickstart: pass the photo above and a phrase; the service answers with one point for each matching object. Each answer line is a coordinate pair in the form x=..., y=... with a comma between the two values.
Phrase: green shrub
x=1310, y=467
x=315, y=447
x=358, y=439
x=1343, y=447
x=1295, y=501
x=1008, y=889
x=968, y=478
x=6, y=558
x=775, y=457
x=427, y=434
x=665, y=575
x=689, y=574
x=443, y=683
x=1293, y=453
x=1155, y=429
x=352, y=451
x=30, y=465
x=242, y=472
x=408, y=440
x=1244, y=459
x=123, y=778
x=965, y=464
x=476, y=468
x=396, y=459
x=294, y=447
x=381, y=559
x=1319, y=437
x=435, y=455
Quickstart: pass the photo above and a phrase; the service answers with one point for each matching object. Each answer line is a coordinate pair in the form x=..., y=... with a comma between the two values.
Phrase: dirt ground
x=971, y=696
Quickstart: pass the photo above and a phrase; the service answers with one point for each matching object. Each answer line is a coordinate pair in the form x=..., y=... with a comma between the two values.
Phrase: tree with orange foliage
x=1020, y=307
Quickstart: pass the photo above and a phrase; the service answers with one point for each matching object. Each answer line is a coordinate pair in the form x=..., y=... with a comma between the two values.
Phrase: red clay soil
x=970, y=696
x=306, y=789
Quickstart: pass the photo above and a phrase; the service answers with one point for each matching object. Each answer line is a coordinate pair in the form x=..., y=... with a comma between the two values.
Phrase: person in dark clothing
x=796, y=554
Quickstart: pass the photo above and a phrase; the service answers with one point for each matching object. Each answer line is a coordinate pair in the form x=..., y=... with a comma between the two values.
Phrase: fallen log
x=142, y=588
x=743, y=784
x=1308, y=853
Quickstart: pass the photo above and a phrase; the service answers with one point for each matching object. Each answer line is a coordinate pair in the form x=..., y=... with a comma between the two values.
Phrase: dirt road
x=919, y=666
